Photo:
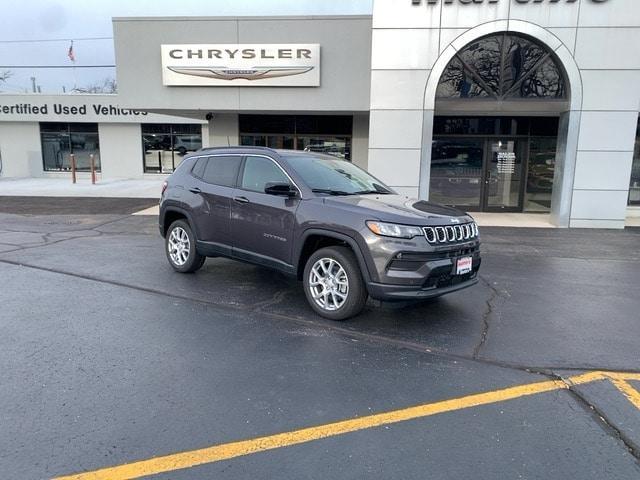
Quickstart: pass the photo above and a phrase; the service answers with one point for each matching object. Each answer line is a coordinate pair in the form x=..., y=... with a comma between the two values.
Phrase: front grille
x=451, y=233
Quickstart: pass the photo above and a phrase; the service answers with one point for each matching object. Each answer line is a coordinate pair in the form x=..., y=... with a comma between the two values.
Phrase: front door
x=503, y=175
x=262, y=224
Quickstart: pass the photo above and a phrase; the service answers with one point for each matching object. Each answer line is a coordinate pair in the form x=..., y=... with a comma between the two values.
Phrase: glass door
x=457, y=172
x=503, y=175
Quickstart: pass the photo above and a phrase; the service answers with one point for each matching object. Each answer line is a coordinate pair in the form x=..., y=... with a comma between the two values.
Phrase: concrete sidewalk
x=62, y=187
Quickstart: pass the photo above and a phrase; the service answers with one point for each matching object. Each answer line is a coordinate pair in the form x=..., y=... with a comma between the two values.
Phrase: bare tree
x=5, y=75
x=108, y=85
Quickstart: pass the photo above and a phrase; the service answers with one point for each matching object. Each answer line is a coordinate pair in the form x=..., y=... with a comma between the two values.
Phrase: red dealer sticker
x=464, y=265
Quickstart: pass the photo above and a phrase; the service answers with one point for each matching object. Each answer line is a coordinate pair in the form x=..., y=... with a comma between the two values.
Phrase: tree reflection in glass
x=502, y=66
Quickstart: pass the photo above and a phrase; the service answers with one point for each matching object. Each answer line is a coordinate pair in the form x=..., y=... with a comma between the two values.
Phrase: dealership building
x=489, y=105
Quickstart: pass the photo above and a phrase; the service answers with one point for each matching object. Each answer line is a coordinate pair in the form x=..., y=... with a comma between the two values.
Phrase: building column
x=224, y=130
x=360, y=141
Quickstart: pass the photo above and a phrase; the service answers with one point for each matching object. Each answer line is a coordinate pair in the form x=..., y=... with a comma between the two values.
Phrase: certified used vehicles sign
x=286, y=65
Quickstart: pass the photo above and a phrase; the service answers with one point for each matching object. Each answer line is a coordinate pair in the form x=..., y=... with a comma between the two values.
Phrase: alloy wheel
x=329, y=284
x=179, y=246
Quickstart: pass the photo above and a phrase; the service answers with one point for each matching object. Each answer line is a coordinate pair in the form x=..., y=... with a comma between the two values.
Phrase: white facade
x=382, y=71
x=598, y=44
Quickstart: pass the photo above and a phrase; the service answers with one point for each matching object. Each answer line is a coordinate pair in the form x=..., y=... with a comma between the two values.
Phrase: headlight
x=394, y=230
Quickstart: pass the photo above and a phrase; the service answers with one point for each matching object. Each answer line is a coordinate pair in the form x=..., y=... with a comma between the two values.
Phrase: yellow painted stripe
x=628, y=391
x=623, y=376
x=245, y=447
x=227, y=451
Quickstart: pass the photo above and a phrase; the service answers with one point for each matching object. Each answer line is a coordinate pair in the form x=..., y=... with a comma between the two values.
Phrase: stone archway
x=569, y=120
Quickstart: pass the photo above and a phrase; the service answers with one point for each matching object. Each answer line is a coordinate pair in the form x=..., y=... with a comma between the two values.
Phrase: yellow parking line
x=227, y=451
x=628, y=391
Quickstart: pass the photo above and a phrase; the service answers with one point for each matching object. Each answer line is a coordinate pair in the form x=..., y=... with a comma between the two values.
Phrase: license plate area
x=464, y=265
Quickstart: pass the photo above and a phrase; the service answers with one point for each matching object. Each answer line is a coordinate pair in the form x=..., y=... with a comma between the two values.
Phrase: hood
x=399, y=209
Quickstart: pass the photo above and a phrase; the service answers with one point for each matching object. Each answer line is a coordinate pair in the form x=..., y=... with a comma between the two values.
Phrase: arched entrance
x=501, y=118
x=495, y=131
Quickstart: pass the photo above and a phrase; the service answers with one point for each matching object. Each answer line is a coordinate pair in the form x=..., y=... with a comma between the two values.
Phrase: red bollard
x=73, y=167
x=93, y=168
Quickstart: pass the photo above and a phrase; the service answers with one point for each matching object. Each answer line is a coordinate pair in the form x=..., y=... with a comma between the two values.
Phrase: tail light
x=164, y=187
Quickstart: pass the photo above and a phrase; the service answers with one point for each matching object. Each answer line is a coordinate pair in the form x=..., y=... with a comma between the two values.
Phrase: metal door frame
x=484, y=190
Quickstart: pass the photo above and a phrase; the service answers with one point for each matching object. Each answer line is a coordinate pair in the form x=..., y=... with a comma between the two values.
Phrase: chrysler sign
x=272, y=65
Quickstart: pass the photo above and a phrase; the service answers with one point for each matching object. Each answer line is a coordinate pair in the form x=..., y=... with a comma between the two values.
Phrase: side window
x=198, y=167
x=258, y=171
x=221, y=170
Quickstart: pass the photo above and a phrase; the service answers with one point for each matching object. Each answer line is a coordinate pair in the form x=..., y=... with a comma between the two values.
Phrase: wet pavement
x=108, y=357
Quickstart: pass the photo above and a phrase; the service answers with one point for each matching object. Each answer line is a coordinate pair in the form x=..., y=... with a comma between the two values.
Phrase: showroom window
x=634, y=186
x=470, y=157
x=329, y=134
x=165, y=145
x=59, y=140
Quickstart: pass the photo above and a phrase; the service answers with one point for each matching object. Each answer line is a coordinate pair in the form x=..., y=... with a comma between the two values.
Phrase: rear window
x=198, y=167
x=221, y=170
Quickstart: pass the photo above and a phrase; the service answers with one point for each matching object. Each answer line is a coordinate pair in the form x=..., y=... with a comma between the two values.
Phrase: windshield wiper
x=330, y=191
x=378, y=192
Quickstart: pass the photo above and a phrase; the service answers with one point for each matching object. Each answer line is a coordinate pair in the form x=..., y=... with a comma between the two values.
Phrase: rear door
x=262, y=224
x=217, y=179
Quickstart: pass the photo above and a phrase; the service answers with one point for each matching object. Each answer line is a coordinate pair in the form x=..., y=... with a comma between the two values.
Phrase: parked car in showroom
x=319, y=218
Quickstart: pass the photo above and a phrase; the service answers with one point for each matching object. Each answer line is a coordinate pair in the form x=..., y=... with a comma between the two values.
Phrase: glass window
x=60, y=140
x=634, y=187
x=258, y=171
x=222, y=170
x=165, y=145
x=456, y=171
x=540, y=170
x=458, y=82
x=198, y=167
x=483, y=58
x=328, y=174
x=329, y=134
x=503, y=66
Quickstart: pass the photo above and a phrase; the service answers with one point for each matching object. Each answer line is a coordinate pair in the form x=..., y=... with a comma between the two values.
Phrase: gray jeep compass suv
x=341, y=231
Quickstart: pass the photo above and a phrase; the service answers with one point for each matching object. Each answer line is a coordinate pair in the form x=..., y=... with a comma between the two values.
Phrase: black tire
x=356, y=295
x=193, y=260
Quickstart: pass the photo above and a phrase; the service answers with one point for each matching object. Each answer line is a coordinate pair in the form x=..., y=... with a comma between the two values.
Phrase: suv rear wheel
x=333, y=283
x=180, y=245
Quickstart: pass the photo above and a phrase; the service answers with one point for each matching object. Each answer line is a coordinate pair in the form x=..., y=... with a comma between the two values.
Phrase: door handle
x=241, y=199
x=195, y=190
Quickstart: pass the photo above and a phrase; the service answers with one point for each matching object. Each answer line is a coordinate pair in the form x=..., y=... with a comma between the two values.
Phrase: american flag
x=70, y=54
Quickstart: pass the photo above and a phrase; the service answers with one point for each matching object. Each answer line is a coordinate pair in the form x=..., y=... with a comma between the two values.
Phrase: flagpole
x=72, y=57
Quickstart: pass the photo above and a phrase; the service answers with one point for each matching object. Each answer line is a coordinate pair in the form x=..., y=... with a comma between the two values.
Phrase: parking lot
x=113, y=366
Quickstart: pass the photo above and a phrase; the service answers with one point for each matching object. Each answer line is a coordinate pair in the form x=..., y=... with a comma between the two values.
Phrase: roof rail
x=238, y=147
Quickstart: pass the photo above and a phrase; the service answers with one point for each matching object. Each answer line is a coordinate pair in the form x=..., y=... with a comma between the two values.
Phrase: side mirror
x=280, y=189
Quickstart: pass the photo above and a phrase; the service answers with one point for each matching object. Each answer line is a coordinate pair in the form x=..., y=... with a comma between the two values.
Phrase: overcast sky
x=37, y=20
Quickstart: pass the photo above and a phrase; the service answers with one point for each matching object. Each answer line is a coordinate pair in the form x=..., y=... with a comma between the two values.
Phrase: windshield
x=335, y=177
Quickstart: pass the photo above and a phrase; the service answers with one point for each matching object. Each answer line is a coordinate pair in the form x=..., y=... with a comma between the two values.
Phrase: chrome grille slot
x=430, y=233
x=451, y=233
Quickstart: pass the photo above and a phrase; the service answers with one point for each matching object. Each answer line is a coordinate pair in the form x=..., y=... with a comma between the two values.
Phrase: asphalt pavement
x=108, y=357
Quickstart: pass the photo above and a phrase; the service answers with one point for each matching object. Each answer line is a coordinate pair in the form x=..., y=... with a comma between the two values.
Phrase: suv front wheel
x=180, y=246
x=333, y=283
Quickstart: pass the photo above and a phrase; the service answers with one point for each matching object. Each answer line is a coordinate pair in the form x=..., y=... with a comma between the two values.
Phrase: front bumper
x=412, y=274
x=388, y=292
